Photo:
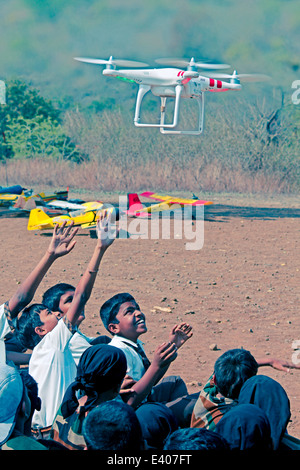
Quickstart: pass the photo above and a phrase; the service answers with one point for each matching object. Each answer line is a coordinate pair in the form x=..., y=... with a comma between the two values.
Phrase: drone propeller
x=112, y=62
x=243, y=77
x=191, y=63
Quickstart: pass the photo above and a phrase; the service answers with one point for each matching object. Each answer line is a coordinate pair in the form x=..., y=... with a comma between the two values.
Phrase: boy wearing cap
x=15, y=410
x=122, y=317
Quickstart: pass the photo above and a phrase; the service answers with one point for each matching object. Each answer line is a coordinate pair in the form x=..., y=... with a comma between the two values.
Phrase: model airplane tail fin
x=37, y=219
x=134, y=203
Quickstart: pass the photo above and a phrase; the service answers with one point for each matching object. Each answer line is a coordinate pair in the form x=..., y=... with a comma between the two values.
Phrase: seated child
x=270, y=397
x=246, y=427
x=51, y=363
x=232, y=369
x=113, y=426
x=122, y=317
x=62, y=243
x=195, y=439
x=100, y=373
x=15, y=406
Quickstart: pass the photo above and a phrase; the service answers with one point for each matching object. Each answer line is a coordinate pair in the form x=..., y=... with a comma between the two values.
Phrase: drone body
x=173, y=83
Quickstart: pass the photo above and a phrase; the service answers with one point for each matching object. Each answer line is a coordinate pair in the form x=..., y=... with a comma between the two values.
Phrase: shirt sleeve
x=61, y=335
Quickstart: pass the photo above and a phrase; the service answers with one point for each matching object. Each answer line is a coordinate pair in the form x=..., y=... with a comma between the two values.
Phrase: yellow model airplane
x=85, y=217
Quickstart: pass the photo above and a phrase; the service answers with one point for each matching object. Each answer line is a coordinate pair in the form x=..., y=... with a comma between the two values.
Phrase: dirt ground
x=240, y=290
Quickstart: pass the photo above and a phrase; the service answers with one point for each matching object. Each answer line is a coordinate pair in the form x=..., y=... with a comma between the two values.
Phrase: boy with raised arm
x=52, y=364
x=62, y=243
x=122, y=317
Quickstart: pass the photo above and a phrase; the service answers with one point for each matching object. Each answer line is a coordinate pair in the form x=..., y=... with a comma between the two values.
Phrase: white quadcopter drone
x=173, y=83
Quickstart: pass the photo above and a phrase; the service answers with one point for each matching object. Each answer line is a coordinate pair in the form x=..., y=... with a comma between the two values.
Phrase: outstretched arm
x=278, y=364
x=106, y=235
x=163, y=356
x=62, y=243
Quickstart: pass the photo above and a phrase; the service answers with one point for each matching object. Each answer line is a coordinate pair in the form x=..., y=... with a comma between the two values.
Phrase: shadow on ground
x=220, y=212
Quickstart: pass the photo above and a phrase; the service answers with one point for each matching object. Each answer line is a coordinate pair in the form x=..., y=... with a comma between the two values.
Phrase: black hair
x=35, y=402
x=26, y=324
x=32, y=389
x=51, y=297
x=195, y=439
x=110, y=308
x=113, y=425
x=232, y=369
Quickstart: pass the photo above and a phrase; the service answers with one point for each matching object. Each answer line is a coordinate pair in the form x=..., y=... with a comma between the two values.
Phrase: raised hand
x=180, y=334
x=164, y=354
x=62, y=239
x=106, y=230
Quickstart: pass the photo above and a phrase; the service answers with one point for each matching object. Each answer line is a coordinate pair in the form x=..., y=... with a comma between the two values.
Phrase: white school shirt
x=54, y=369
x=135, y=366
x=78, y=344
x=4, y=330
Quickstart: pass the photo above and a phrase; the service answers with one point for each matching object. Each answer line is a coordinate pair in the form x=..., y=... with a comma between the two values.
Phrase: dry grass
x=235, y=154
x=152, y=176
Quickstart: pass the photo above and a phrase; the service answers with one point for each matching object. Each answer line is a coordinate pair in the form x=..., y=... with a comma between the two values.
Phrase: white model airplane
x=173, y=83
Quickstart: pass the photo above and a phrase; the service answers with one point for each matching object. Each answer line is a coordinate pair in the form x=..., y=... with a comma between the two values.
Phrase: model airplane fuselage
x=86, y=217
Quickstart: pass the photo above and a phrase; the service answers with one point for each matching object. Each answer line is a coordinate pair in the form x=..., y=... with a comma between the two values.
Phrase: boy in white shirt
x=122, y=317
x=62, y=243
x=52, y=364
x=58, y=298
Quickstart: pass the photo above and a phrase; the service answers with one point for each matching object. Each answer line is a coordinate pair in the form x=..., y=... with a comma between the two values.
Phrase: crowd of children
x=73, y=392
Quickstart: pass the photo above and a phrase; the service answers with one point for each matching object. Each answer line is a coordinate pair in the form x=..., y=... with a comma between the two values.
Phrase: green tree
x=31, y=126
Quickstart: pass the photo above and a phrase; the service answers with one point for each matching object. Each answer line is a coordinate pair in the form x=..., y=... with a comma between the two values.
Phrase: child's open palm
x=180, y=334
x=62, y=239
x=106, y=230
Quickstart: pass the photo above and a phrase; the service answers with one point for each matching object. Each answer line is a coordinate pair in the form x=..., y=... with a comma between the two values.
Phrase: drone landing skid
x=169, y=128
x=199, y=130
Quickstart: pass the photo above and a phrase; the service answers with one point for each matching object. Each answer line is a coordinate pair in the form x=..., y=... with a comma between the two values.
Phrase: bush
x=31, y=126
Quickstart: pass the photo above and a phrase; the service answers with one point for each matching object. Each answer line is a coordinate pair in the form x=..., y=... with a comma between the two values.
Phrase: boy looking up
x=52, y=364
x=58, y=298
x=122, y=317
x=62, y=243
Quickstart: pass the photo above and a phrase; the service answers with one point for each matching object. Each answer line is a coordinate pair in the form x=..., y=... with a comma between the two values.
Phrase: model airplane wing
x=175, y=200
x=46, y=197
